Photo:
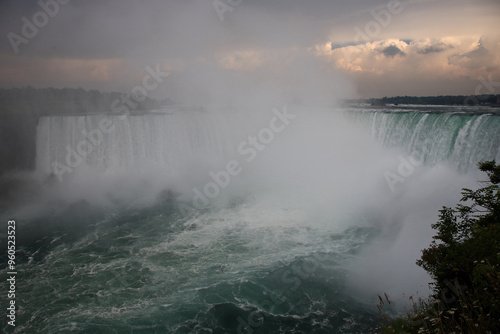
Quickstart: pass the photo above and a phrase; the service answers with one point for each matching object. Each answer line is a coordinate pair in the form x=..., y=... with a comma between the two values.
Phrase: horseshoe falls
x=458, y=138
x=193, y=220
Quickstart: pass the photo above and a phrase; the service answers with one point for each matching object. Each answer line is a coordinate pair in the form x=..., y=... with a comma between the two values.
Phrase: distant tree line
x=53, y=101
x=433, y=100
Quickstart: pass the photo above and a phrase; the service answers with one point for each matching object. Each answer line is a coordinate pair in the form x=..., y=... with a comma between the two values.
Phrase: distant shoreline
x=425, y=107
x=490, y=100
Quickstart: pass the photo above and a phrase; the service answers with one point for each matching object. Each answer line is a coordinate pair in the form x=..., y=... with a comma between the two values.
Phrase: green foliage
x=463, y=257
x=464, y=260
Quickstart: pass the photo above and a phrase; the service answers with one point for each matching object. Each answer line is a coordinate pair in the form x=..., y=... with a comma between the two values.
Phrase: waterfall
x=174, y=140
x=170, y=140
x=457, y=138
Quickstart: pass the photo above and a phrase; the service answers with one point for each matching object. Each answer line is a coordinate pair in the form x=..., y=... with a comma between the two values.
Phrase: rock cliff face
x=21, y=108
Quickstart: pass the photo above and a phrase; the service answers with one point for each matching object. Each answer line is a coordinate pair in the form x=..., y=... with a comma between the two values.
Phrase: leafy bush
x=464, y=260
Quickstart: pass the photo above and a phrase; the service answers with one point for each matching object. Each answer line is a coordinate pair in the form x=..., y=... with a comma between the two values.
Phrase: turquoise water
x=109, y=250
x=152, y=271
x=460, y=136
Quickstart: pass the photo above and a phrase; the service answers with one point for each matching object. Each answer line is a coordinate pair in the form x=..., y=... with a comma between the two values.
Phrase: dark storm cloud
x=433, y=48
x=392, y=51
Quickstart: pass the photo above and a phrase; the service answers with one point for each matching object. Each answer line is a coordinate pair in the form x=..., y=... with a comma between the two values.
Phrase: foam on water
x=302, y=239
x=457, y=138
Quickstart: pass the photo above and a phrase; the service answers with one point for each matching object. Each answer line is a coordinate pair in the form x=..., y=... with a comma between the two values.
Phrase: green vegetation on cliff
x=464, y=260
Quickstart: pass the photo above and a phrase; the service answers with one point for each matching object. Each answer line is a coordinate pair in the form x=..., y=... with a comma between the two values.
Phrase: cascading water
x=170, y=140
x=116, y=141
x=461, y=139
x=300, y=239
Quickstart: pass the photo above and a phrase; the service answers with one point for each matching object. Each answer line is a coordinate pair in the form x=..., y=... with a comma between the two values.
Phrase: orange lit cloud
x=429, y=60
x=26, y=70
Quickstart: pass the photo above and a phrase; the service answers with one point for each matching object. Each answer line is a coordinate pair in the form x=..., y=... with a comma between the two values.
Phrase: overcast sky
x=227, y=49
